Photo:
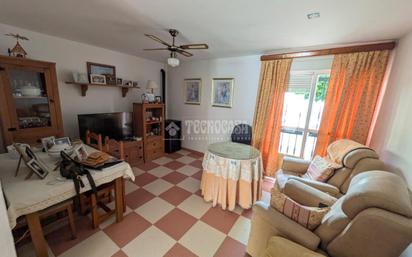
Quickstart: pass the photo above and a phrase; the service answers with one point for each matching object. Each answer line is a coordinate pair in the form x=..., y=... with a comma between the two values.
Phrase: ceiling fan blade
x=182, y=52
x=195, y=46
x=155, y=49
x=157, y=39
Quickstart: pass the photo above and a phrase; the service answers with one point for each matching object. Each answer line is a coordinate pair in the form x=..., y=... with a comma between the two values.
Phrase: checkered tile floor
x=165, y=216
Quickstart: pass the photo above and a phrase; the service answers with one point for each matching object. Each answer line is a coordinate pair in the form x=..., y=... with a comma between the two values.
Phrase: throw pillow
x=308, y=217
x=320, y=169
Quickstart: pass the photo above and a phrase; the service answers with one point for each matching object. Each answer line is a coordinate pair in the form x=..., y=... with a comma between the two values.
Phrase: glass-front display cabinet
x=29, y=100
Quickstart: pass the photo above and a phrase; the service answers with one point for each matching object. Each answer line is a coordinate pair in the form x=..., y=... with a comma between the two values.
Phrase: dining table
x=232, y=175
x=28, y=197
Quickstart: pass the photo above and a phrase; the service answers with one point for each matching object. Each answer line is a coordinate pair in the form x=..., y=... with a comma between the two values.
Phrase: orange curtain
x=268, y=114
x=353, y=91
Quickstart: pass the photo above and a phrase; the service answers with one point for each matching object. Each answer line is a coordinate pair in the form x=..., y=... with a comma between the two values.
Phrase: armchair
x=353, y=160
x=374, y=219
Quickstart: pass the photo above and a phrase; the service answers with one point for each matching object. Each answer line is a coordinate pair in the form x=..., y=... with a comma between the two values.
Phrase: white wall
x=72, y=56
x=392, y=137
x=245, y=70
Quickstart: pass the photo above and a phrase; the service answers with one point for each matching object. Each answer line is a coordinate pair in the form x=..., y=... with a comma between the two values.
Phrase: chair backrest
x=114, y=148
x=242, y=133
x=355, y=158
x=94, y=140
x=374, y=218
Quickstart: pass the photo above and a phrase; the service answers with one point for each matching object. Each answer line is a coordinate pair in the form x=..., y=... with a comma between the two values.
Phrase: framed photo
x=21, y=150
x=135, y=84
x=37, y=168
x=62, y=140
x=108, y=71
x=222, y=92
x=119, y=81
x=47, y=143
x=97, y=79
x=80, y=152
x=192, y=89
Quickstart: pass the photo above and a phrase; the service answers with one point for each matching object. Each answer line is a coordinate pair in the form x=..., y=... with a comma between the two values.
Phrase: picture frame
x=35, y=164
x=109, y=71
x=37, y=168
x=62, y=140
x=97, y=79
x=222, y=92
x=47, y=143
x=119, y=81
x=192, y=90
x=135, y=84
x=80, y=152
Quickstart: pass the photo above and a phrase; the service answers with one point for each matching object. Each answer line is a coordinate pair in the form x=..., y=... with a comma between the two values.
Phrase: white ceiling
x=230, y=27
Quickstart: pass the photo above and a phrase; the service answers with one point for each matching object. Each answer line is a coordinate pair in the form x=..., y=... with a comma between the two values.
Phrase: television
x=116, y=125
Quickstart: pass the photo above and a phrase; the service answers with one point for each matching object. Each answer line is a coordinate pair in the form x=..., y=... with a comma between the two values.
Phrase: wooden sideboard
x=148, y=123
x=29, y=100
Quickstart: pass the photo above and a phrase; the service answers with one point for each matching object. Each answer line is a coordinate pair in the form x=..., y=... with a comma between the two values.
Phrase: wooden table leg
x=118, y=192
x=93, y=207
x=36, y=233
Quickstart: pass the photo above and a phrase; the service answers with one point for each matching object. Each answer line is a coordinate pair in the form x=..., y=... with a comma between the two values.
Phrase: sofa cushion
x=279, y=246
x=308, y=217
x=377, y=189
x=320, y=169
x=307, y=195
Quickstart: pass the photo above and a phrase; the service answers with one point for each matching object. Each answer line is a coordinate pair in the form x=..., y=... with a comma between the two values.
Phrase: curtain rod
x=331, y=51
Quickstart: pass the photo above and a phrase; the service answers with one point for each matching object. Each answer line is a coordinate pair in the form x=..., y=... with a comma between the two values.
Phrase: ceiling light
x=173, y=61
x=313, y=15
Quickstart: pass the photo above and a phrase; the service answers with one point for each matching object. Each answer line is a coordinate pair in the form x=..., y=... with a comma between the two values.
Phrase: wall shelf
x=85, y=86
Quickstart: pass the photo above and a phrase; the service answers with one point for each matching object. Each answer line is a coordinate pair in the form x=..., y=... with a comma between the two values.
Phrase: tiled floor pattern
x=165, y=216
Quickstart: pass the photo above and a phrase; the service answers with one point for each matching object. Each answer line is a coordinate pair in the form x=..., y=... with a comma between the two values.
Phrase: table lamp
x=152, y=85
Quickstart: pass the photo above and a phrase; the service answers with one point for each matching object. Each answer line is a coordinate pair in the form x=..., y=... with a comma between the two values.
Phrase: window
x=302, y=113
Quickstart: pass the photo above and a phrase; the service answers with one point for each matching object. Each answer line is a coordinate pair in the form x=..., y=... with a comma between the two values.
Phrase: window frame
x=306, y=130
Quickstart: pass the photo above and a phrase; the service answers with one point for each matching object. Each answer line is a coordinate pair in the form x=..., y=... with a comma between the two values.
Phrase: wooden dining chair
x=104, y=192
x=114, y=148
x=50, y=216
x=94, y=140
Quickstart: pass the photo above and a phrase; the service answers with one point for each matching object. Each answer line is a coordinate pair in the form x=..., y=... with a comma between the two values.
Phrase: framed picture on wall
x=108, y=71
x=192, y=89
x=222, y=92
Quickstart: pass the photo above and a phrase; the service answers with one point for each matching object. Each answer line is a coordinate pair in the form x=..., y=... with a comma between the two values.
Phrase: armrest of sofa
x=324, y=187
x=285, y=226
x=295, y=164
x=307, y=195
x=279, y=246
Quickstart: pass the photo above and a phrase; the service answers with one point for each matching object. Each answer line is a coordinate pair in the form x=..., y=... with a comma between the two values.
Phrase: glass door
x=31, y=98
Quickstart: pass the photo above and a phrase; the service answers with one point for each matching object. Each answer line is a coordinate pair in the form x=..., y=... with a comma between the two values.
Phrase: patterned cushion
x=309, y=217
x=320, y=169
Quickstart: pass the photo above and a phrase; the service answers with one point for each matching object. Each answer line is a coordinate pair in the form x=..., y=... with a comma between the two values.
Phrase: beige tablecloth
x=35, y=194
x=232, y=173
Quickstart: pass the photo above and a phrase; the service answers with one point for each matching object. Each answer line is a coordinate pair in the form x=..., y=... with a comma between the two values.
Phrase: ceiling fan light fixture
x=173, y=61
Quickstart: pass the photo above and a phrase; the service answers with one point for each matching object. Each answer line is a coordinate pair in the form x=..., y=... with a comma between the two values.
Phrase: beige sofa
x=374, y=219
x=353, y=162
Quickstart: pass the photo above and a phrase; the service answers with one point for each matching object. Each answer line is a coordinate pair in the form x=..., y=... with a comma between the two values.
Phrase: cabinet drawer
x=154, y=153
x=153, y=144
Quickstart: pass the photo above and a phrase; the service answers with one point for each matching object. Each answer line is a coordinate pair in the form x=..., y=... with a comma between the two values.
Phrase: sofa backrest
x=372, y=195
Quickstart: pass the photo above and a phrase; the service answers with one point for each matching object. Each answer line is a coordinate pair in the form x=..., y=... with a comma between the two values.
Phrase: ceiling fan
x=174, y=49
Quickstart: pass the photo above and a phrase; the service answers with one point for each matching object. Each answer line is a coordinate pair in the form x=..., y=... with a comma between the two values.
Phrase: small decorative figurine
x=17, y=50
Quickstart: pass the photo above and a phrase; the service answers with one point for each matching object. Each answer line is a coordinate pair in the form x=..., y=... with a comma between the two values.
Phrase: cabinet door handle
x=51, y=100
x=11, y=129
x=1, y=68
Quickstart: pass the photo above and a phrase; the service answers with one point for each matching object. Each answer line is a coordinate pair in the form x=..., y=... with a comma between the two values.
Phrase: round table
x=232, y=174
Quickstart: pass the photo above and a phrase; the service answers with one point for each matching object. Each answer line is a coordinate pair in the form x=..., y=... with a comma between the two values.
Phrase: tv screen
x=117, y=125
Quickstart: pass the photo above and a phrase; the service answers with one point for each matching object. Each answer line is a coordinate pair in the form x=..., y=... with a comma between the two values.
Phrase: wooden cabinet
x=148, y=123
x=29, y=100
x=133, y=151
